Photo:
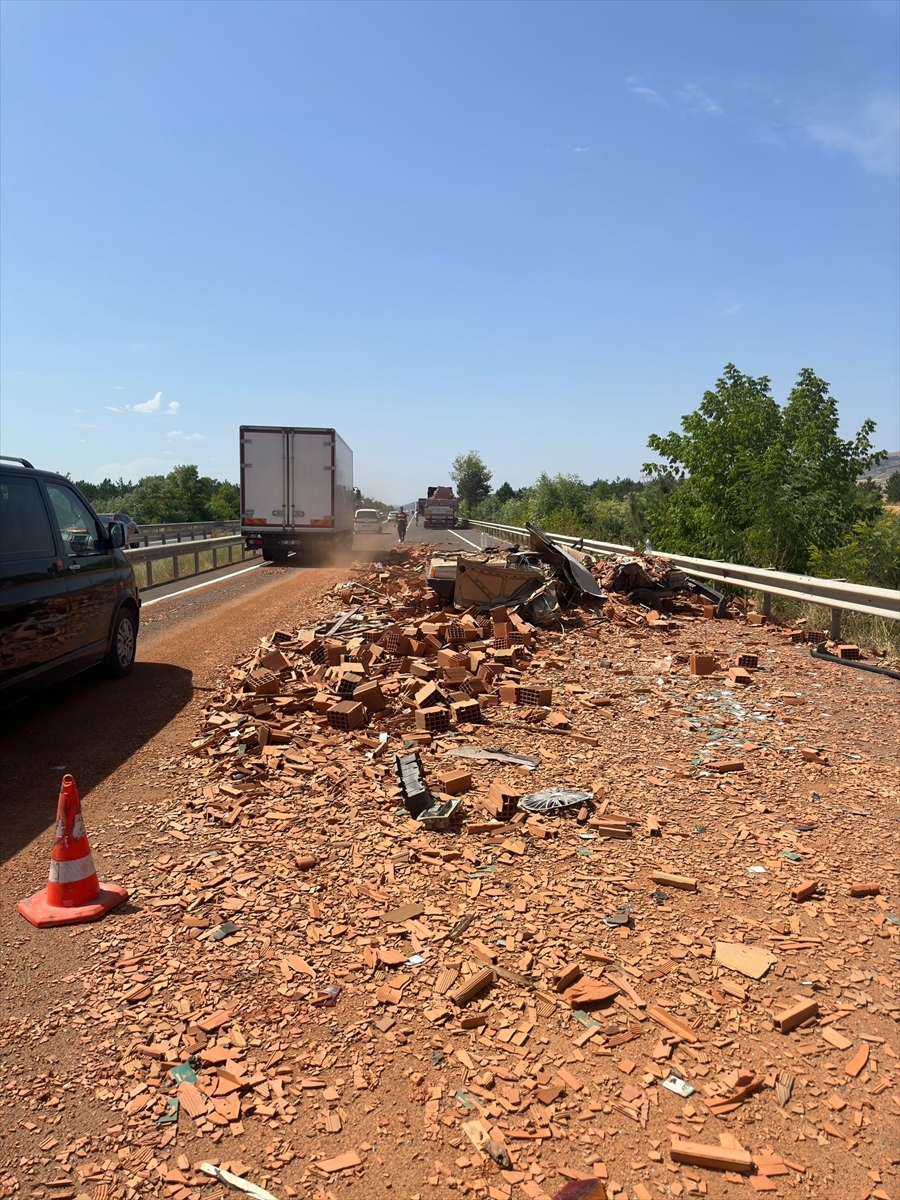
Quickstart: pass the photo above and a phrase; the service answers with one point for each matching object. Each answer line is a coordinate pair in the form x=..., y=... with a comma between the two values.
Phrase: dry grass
x=874, y=635
x=163, y=569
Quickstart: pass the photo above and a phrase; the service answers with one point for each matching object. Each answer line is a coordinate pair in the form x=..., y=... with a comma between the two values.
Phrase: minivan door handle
x=74, y=566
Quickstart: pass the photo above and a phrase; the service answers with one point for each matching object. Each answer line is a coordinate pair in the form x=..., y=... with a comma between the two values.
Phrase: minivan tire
x=123, y=646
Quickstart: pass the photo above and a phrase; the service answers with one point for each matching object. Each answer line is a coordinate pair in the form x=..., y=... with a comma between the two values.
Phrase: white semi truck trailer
x=297, y=497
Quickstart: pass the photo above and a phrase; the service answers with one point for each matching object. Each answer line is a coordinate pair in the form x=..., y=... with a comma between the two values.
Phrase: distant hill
x=885, y=469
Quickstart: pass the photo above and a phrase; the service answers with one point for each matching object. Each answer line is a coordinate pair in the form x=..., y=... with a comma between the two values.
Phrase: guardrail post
x=196, y=562
x=767, y=604
x=835, y=632
x=149, y=565
x=175, y=567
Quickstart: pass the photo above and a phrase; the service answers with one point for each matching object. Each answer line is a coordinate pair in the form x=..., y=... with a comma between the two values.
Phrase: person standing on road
x=401, y=524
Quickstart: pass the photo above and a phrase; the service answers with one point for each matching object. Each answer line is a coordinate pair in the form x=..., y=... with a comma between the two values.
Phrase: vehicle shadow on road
x=87, y=726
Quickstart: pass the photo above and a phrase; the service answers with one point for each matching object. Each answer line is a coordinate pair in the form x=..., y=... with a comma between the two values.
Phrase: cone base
x=43, y=915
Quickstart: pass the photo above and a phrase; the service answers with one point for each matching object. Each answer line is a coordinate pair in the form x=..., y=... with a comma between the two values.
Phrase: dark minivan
x=68, y=596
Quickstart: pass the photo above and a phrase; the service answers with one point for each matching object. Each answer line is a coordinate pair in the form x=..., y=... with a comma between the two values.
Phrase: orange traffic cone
x=73, y=893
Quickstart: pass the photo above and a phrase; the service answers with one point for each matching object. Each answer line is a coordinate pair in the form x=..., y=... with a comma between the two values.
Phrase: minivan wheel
x=120, y=658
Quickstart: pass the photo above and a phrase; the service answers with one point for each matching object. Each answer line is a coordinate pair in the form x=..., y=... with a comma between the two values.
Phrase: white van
x=367, y=520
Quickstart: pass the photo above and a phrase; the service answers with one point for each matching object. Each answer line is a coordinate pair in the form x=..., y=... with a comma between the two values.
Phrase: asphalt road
x=454, y=540
x=197, y=582
x=364, y=545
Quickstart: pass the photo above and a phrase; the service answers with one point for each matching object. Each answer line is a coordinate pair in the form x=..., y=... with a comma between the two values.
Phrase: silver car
x=132, y=532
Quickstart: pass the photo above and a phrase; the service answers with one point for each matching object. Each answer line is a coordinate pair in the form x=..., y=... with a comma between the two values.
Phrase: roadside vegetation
x=747, y=479
x=362, y=501
x=182, y=495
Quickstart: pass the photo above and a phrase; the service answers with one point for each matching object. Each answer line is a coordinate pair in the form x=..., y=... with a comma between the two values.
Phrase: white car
x=367, y=520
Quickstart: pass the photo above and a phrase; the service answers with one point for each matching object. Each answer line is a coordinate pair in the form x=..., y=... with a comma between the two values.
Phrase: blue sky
x=536, y=230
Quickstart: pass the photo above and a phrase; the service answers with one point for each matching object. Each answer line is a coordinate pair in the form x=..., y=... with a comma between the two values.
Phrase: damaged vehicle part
x=708, y=593
x=568, y=568
x=487, y=584
x=411, y=781
x=543, y=607
x=440, y=575
x=439, y=815
x=554, y=799
x=502, y=756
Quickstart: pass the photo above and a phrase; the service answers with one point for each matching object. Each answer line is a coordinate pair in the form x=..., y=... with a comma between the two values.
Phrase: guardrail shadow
x=89, y=726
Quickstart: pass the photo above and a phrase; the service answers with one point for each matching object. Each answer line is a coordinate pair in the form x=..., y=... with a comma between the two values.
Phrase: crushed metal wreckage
x=547, y=576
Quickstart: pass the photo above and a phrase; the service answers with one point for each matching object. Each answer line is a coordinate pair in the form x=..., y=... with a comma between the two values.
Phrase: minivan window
x=25, y=528
x=79, y=530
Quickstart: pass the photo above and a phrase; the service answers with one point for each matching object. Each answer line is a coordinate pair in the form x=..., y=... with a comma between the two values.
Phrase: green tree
x=225, y=503
x=504, y=492
x=362, y=501
x=472, y=478
x=892, y=488
x=149, y=507
x=182, y=495
x=761, y=484
x=870, y=554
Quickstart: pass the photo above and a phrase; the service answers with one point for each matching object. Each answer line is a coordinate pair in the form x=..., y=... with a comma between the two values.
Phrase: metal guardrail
x=187, y=530
x=190, y=558
x=835, y=594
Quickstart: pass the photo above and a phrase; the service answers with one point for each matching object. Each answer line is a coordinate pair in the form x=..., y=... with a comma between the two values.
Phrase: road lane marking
x=208, y=583
x=462, y=539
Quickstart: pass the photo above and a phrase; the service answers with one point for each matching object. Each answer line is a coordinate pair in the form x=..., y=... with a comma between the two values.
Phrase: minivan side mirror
x=116, y=531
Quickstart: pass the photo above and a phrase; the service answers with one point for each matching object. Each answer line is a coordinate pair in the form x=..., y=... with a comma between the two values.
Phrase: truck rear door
x=312, y=479
x=263, y=477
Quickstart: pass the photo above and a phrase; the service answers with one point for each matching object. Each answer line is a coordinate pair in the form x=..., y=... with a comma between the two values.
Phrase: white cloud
x=112, y=408
x=79, y=410
x=732, y=310
x=868, y=130
x=154, y=405
x=84, y=425
x=634, y=85
x=579, y=149
x=698, y=101
x=117, y=387
x=177, y=435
